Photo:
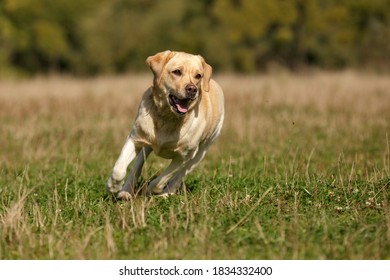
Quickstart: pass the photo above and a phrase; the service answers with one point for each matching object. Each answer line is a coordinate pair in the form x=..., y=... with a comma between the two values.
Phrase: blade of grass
x=243, y=219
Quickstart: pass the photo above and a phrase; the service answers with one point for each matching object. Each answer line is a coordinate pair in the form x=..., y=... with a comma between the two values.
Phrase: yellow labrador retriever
x=179, y=117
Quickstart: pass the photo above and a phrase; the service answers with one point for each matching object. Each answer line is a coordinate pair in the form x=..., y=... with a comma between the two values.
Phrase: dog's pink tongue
x=181, y=109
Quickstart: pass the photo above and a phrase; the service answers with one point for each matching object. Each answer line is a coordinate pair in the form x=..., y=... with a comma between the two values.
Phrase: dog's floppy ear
x=157, y=62
x=207, y=71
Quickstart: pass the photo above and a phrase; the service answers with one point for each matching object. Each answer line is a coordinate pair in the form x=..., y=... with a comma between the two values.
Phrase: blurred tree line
x=110, y=36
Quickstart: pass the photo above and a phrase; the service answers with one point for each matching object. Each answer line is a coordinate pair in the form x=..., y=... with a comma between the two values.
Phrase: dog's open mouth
x=180, y=106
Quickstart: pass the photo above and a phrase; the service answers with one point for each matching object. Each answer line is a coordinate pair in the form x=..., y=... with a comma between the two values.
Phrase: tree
x=96, y=36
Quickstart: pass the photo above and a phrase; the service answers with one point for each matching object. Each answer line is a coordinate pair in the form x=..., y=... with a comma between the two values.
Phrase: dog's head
x=180, y=79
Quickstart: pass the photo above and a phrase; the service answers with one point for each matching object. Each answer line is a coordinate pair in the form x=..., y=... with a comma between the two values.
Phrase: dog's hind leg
x=128, y=187
x=157, y=185
x=176, y=182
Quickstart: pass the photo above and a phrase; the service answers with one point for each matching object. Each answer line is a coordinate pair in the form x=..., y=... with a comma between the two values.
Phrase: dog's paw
x=113, y=186
x=164, y=195
x=123, y=195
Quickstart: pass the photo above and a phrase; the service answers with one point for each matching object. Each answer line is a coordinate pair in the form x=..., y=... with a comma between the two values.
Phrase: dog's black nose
x=191, y=90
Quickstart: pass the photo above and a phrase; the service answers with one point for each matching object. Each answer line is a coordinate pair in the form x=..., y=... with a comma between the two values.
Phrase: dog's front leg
x=128, y=188
x=115, y=181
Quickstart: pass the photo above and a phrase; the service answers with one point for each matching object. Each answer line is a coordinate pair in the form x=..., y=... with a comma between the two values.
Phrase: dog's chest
x=167, y=137
x=170, y=145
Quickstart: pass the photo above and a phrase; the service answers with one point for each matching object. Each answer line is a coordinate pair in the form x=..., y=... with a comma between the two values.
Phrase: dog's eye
x=198, y=76
x=177, y=72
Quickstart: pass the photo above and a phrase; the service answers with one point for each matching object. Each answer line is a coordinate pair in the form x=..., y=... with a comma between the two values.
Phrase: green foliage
x=87, y=37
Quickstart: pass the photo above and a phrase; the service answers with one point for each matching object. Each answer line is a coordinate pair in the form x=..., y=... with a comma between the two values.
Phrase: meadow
x=300, y=171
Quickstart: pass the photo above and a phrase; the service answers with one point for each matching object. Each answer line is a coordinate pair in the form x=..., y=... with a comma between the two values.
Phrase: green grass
x=301, y=171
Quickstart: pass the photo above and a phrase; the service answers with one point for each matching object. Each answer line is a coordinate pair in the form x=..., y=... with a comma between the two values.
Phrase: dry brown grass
x=337, y=99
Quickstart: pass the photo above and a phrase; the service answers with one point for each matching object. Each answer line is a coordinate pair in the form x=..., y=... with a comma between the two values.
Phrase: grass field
x=301, y=171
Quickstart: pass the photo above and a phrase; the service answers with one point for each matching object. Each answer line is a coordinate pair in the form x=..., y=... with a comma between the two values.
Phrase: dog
x=179, y=117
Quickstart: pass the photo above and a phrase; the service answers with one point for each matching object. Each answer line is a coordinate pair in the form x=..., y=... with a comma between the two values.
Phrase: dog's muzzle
x=181, y=105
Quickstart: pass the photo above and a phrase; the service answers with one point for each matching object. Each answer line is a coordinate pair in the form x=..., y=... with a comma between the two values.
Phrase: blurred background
x=89, y=37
